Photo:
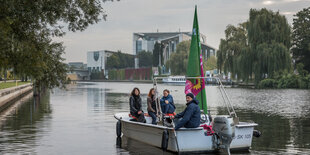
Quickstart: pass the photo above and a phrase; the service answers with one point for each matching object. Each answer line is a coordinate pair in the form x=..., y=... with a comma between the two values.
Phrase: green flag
x=195, y=68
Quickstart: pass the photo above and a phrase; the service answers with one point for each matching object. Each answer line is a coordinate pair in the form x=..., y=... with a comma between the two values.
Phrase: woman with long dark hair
x=136, y=105
x=151, y=105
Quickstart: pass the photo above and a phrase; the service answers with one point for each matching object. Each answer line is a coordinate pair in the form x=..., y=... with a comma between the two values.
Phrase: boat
x=215, y=133
x=174, y=79
x=229, y=133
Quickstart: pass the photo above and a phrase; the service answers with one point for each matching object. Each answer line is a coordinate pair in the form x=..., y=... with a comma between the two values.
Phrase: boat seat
x=145, y=114
x=170, y=114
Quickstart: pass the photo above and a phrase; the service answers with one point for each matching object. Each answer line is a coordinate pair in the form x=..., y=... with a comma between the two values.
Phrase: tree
x=211, y=63
x=232, y=49
x=178, y=60
x=26, y=29
x=301, y=38
x=259, y=47
x=145, y=59
x=269, y=41
x=158, y=50
x=120, y=60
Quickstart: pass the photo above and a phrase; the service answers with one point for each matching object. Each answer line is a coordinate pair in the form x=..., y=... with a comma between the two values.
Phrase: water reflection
x=80, y=120
x=22, y=131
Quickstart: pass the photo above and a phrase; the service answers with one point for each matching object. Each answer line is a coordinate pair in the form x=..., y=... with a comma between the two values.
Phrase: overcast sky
x=128, y=16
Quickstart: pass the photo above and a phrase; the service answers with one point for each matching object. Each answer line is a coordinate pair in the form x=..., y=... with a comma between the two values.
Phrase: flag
x=195, y=68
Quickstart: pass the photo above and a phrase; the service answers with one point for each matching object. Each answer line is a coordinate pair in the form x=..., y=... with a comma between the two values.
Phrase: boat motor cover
x=224, y=127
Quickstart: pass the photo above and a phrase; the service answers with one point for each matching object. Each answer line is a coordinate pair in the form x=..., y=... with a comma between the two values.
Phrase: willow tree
x=269, y=41
x=259, y=47
x=232, y=50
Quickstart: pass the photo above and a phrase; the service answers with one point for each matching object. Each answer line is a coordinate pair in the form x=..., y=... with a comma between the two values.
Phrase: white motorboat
x=223, y=132
x=229, y=133
x=174, y=79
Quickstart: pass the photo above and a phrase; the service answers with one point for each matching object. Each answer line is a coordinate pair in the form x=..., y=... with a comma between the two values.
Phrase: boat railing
x=226, y=98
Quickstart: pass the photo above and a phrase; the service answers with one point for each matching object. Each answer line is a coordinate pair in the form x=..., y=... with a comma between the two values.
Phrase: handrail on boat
x=227, y=100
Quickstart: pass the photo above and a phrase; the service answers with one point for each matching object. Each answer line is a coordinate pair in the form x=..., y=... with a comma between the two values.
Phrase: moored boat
x=174, y=79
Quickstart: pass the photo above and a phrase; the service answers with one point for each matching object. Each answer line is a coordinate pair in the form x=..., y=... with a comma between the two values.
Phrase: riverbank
x=9, y=95
x=137, y=81
x=9, y=84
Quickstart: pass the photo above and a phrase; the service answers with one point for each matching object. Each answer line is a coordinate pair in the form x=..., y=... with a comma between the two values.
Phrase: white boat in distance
x=174, y=79
x=229, y=133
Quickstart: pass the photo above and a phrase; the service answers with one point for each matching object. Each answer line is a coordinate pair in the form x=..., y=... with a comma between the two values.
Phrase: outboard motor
x=224, y=129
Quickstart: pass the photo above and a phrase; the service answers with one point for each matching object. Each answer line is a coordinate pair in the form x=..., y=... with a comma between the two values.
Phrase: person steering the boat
x=166, y=103
x=151, y=105
x=190, y=117
x=136, y=106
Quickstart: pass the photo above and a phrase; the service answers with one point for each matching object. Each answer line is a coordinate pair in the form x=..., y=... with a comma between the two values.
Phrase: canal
x=80, y=120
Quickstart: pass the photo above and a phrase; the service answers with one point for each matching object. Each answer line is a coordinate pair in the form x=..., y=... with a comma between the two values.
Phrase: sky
x=128, y=16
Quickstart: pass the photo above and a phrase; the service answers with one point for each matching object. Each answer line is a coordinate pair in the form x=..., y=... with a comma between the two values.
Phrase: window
x=138, y=46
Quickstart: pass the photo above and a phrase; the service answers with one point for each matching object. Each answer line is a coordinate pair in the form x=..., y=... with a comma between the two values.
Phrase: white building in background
x=146, y=41
x=96, y=60
x=169, y=40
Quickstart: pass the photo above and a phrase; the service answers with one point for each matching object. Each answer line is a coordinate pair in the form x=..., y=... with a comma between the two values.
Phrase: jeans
x=167, y=108
x=153, y=115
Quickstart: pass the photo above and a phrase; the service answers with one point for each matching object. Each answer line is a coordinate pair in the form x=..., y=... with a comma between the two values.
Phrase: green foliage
x=269, y=41
x=258, y=47
x=120, y=60
x=4, y=85
x=301, y=38
x=27, y=28
x=211, y=63
x=158, y=50
x=233, y=50
x=286, y=80
x=178, y=60
x=145, y=59
x=268, y=83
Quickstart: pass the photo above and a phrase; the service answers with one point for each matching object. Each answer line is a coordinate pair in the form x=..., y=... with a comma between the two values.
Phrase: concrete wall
x=10, y=94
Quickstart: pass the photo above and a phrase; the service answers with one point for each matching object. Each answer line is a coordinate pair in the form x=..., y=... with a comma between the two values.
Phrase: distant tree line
x=260, y=49
x=27, y=28
x=121, y=60
x=178, y=60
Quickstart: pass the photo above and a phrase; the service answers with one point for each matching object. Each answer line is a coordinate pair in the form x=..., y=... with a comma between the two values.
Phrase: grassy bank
x=4, y=85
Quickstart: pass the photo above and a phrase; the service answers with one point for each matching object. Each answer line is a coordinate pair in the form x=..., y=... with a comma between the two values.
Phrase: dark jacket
x=169, y=98
x=190, y=116
x=151, y=104
x=135, y=104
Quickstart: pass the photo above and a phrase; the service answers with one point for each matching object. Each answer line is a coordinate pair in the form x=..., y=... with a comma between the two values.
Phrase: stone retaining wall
x=10, y=94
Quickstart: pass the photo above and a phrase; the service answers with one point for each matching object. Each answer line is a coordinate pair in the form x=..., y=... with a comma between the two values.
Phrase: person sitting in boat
x=136, y=106
x=166, y=103
x=190, y=117
x=151, y=105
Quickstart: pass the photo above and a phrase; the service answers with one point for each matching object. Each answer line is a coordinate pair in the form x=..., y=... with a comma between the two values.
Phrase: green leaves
x=258, y=47
x=120, y=60
x=26, y=28
x=178, y=60
x=145, y=59
x=301, y=38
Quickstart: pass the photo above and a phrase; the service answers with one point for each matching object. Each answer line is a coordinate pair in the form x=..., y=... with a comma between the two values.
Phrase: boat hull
x=188, y=140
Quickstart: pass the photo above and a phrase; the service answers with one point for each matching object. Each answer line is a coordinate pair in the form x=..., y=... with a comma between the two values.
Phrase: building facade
x=170, y=40
x=96, y=61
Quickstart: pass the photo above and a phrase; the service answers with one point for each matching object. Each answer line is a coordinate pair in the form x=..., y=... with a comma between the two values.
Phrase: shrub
x=268, y=83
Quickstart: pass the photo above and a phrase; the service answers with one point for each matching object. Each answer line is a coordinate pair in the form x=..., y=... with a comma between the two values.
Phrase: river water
x=80, y=120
